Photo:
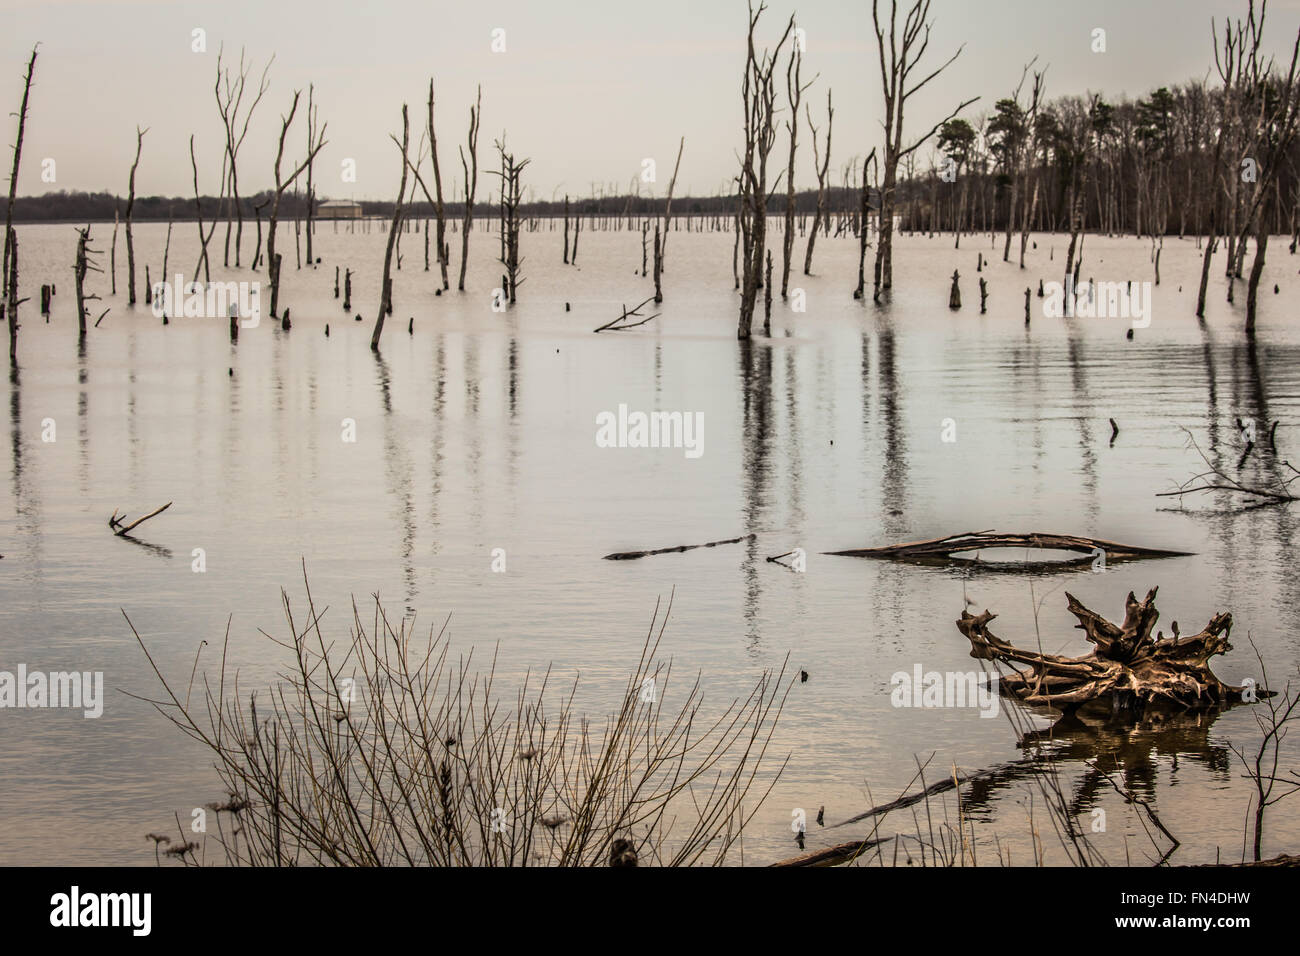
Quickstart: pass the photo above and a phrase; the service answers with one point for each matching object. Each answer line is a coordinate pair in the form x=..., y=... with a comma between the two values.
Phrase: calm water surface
x=476, y=432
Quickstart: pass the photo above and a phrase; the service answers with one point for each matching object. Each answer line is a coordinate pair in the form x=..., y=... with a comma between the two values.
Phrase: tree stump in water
x=1128, y=669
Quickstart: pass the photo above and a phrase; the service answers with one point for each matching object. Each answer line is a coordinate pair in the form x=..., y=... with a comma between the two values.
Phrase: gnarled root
x=1128, y=666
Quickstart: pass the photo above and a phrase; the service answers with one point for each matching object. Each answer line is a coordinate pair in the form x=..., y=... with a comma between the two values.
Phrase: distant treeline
x=72, y=206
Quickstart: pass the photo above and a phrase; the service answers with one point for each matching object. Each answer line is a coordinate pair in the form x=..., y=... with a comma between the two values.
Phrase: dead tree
x=257, y=212
x=566, y=238
x=577, y=231
x=272, y=260
x=313, y=133
x=230, y=94
x=1278, y=114
x=899, y=58
x=471, y=184
x=130, y=203
x=10, y=283
x=759, y=96
x=83, y=265
x=386, y=286
x=438, y=208
x=869, y=166
x=511, y=197
x=661, y=241
x=112, y=258
x=821, y=164
x=204, y=238
x=794, y=95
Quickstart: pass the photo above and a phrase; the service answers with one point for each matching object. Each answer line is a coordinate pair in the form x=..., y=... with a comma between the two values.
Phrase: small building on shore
x=338, y=209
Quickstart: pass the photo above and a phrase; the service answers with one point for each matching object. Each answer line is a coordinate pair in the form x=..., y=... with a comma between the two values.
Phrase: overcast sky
x=586, y=88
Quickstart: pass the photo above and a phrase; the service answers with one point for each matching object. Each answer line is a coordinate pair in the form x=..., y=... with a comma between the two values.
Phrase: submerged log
x=631, y=555
x=1129, y=670
x=941, y=550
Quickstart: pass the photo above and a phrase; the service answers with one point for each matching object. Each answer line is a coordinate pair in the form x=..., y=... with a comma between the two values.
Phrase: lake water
x=477, y=432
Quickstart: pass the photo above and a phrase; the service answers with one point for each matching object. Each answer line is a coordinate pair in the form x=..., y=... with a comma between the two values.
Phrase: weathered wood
x=832, y=855
x=119, y=529
x=621, y=324
x=1129, y=668
x=942, y=549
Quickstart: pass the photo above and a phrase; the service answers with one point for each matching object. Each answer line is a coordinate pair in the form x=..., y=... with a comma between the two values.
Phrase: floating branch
x=1128, y=671
x=120, y=529
x=630, y=555
x=622, y=324
x=1215, y=479
x=941, y=550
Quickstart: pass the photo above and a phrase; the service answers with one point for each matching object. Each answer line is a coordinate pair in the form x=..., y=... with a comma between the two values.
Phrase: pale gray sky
x=586, y=88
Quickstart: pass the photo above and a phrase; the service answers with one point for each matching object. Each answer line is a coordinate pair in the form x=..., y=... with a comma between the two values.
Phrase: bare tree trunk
x=471, y=184
x=229, y=95
x=130, y=203
x=759, y=96
x=662, y=243
x=896, y=65
x=820, y=167
x=794, y=94
x=272, y=259
x=386, y=286
x=11, y=237
x=438, y=207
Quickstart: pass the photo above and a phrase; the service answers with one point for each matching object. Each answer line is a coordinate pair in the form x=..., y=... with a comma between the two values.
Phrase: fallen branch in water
x=119, y=529
x=1216, y=479
x=631, y=555
x=943, y=549
x=621, y=324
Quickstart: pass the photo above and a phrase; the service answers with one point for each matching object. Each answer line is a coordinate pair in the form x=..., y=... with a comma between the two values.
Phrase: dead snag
x=1128, y=670
x=130, y=203
x=204, y=238
x=230, y=94
x=759, y=97
x=869, y=166
x=633, y=555
x=313, y=134
x=471, y=185
x=386, y=285
x=438, y=207
x=272, y=260
x=83, y=265
x=511, y=198
x=794, y=95
x=661, y=243
x=10, y=278
x=821, y=164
